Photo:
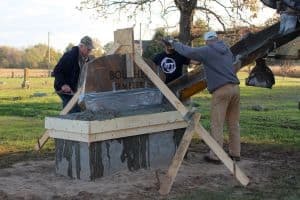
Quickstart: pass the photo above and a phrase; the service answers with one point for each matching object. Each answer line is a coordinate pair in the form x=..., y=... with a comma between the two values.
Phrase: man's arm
x=59, y=73
x=194, y=62
x=189, y=52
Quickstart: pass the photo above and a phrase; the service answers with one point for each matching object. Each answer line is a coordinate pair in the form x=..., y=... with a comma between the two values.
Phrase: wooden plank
x=71, y=103
x=161, y=85
x=121, y=123
x=168, y=180
x=222, y=155
x=42, y=141
x=114, y=49
x=115, y=134
x=125, y=38
x=67, y=125
x=80, y=137
x=136, y=131
x=135, y=121
x=129, y=66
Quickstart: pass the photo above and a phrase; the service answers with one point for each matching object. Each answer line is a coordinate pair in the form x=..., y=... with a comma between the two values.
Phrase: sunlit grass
x=22, y=115
x=22, y=112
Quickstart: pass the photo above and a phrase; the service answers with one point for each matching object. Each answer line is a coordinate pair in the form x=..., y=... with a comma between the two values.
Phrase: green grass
x=22, y=115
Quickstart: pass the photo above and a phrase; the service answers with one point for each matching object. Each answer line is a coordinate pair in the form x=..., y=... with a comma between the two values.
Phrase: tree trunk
x=186, y=8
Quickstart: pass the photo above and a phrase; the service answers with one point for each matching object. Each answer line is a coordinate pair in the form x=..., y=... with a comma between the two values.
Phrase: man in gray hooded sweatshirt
x=223, y=84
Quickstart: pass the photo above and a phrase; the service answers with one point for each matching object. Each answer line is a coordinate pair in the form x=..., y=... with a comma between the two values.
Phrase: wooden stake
x=43, y=140
x=160, y=85
x=222, y=155
x=167, y=182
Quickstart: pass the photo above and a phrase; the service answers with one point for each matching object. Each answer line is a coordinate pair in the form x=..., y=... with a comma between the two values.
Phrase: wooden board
x=160, y=85
x=222, y=155
x=124, y=37
x=92, y=131
x=113, y=49
x=167, y=182
x=121, y=133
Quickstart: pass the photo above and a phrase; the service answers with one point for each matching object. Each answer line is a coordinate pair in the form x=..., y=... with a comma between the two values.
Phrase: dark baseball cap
x=87, y=41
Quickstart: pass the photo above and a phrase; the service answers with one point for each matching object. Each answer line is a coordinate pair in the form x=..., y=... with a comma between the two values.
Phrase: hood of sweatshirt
x=220, y=47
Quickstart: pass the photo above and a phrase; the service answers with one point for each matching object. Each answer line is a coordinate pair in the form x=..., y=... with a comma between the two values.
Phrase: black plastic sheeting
x=294, y=4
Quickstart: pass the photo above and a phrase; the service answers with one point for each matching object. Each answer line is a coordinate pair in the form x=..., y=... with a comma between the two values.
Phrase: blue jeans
x=287, y=23
x=65, y=100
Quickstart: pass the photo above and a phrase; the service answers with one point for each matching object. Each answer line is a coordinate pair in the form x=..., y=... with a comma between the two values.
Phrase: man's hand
x=168, y=40
x=66, y=88
x=237, y=64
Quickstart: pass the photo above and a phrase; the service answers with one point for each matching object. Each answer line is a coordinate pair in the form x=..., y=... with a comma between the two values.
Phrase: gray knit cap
x=87, y=41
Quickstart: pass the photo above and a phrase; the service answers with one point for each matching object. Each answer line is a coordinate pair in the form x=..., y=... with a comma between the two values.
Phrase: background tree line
x=37, y=56
x=33, y=57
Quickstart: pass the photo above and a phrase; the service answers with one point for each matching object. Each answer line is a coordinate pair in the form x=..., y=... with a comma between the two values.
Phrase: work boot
x=235, y=158
x=208, y=159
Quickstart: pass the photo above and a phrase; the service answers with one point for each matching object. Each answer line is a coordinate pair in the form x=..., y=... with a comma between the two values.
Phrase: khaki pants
x=225, y=105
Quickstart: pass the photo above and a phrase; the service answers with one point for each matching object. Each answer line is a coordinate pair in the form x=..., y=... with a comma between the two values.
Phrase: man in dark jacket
x=68, y=68
x=223, y=84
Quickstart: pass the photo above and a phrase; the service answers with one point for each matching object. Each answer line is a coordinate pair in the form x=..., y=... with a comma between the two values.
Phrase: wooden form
x=93, y=131
x=193, y=124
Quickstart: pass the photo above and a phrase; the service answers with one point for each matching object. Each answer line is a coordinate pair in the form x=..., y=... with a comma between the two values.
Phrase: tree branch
x=218, y=17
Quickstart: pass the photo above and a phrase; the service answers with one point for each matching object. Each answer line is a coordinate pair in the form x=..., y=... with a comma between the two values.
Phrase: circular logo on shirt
x=168, y=65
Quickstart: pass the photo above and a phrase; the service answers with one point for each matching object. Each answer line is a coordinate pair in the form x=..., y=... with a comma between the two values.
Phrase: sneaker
x=211, y=160
x=235, y=158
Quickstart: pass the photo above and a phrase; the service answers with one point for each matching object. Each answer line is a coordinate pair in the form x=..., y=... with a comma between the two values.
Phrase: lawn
x=22, y=112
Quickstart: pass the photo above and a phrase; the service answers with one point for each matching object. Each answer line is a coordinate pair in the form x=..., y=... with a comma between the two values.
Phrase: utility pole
x=48, y=50
x=141, y=43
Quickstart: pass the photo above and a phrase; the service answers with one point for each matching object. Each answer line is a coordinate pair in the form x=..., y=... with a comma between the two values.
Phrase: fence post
x=25, y=83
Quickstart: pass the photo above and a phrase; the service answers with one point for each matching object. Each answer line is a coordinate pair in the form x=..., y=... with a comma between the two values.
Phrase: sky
x=25, y=23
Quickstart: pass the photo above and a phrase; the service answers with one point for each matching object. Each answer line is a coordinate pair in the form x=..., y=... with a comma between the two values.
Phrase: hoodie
x=217, y=60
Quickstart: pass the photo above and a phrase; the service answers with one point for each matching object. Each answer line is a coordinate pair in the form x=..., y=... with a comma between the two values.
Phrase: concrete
x=85, y=161
x=88, y=161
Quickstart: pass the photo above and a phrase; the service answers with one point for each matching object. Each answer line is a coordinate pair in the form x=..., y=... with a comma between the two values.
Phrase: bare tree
x=225, y=12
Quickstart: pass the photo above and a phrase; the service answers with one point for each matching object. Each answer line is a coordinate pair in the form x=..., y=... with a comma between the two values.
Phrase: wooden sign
x=109, y=73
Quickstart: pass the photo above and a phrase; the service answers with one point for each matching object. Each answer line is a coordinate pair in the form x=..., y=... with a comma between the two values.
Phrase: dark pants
x=65, y=100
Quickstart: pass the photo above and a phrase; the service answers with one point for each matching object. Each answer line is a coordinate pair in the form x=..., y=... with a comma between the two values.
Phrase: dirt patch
x=268, y=169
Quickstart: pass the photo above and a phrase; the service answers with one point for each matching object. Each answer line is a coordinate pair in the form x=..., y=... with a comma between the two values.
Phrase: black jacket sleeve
x=60, y=72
